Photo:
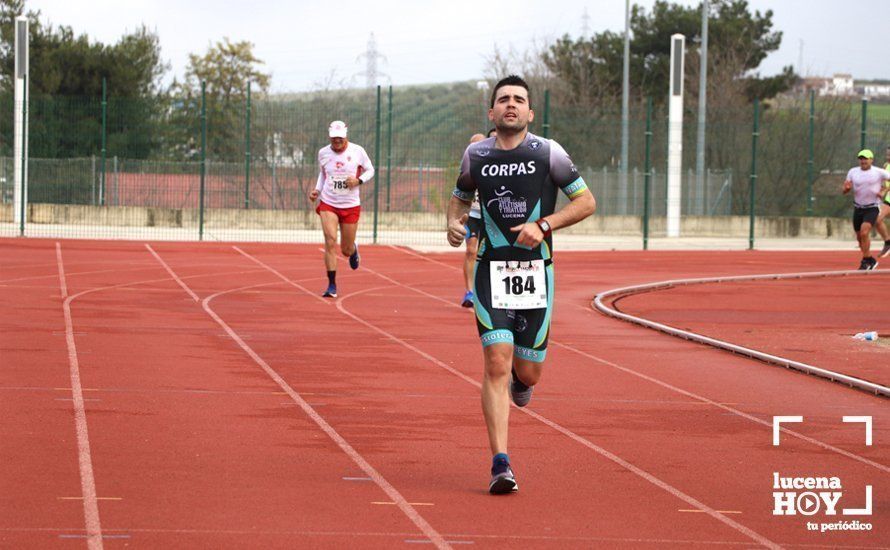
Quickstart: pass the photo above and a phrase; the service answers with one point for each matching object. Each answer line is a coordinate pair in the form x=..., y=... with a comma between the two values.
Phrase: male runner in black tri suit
x=517, y=175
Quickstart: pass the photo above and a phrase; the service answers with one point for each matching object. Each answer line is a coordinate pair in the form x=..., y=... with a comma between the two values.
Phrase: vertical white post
x=675, y=135
x=20, y=141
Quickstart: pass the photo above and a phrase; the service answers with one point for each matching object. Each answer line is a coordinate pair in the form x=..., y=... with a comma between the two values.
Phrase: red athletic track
x=238, y=418
x=811, y=321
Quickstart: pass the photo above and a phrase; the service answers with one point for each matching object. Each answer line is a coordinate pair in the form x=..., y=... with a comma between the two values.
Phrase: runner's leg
x=347, y=238
x=329, y=222
x=496, y=395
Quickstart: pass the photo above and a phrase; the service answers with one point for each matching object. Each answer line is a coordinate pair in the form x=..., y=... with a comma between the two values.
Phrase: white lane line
x=667, y=386
x=572, y=435
x=87, y=479
x=172, y=274
x=280, y=276
x=88, y=486
x=341, y=442
x=561, y=429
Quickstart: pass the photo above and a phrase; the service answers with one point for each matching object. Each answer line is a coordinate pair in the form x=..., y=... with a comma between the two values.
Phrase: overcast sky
x=304, y=43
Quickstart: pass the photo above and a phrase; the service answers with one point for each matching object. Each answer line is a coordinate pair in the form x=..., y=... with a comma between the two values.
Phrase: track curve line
x=599, y=303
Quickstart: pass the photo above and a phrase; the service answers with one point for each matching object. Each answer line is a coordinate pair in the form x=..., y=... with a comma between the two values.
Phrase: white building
x=876, y=90
x=841, y=84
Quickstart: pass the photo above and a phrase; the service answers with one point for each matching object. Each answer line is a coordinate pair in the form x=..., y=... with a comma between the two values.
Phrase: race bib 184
x=518, y=285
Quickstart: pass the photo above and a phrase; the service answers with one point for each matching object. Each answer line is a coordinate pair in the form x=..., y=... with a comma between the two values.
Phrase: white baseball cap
x=337, y=129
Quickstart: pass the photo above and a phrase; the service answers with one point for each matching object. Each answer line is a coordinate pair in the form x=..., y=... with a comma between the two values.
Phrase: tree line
x=146, y=118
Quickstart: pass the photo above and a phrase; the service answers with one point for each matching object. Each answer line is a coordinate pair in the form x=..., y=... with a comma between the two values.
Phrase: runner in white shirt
x=343, y=167
x=867, y=184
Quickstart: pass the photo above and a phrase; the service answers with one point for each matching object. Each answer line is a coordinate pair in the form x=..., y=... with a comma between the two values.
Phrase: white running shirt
x=334, y=168
x=866, y=185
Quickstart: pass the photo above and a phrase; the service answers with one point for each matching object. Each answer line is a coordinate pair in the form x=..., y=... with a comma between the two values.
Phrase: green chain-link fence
x=117, y=167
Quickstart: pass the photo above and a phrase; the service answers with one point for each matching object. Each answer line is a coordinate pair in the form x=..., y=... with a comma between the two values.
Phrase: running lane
x=695, y=417
x=807, y=320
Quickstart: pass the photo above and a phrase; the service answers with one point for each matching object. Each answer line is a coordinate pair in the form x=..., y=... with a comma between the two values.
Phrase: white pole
x=625, y=101
x=20, y=141
x=675, y=135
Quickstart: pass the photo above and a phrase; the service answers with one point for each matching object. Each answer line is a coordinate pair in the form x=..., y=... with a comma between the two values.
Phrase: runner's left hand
x=530, y=234
x=352, y=182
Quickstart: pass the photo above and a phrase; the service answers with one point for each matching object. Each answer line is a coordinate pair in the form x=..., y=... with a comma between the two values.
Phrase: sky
x=306, y=44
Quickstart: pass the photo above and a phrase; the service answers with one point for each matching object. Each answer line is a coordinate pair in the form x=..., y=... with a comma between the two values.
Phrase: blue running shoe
x=468, y=299
x=502, y=479
x=331, y=292
x=519, y=392
x=355, y=258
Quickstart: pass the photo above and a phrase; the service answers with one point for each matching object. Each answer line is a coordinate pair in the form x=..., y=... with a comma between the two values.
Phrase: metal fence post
x=752, y=186
x=863, y=131
x=93, y=180
x=647, y=176
x=115, y=181
x=810, y=159
x=546, y=126
x=104, y=140
x=203, y=160
x=377, y=165
x=389, y=149
x=247, y=152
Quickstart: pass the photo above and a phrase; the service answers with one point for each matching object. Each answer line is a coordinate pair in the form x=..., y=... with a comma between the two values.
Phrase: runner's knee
x=498, y=362
x=529, y=373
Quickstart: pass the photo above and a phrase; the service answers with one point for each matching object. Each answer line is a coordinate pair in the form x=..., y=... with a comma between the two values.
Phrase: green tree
x=65, y=88
x=225, y=69
x=590, y=70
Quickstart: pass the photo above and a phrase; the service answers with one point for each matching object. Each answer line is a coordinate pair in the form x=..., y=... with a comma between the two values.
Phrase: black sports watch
x=544, y=225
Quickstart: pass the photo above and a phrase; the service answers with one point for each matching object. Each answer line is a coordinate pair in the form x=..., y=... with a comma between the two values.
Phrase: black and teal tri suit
x=515, y=187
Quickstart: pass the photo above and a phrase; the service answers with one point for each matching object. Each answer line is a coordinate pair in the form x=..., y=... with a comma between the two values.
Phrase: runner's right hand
x=313, y=195
x=457, y=230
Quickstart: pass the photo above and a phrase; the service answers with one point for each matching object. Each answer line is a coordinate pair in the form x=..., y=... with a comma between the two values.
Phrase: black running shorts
x=864, y=215
x=474, y=228
x=527, y=329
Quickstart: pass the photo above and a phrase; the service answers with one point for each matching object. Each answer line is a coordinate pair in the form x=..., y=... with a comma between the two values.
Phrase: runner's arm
x=458, y=212
x=364, y=173
x=886, y=185
x=313, y=195
x=848, y=182
x=580, y=207
x=459, y=205
x=582, y=204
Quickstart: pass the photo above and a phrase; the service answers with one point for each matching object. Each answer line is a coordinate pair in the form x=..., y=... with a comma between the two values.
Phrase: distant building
x=843, y=85
x=876, y=90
